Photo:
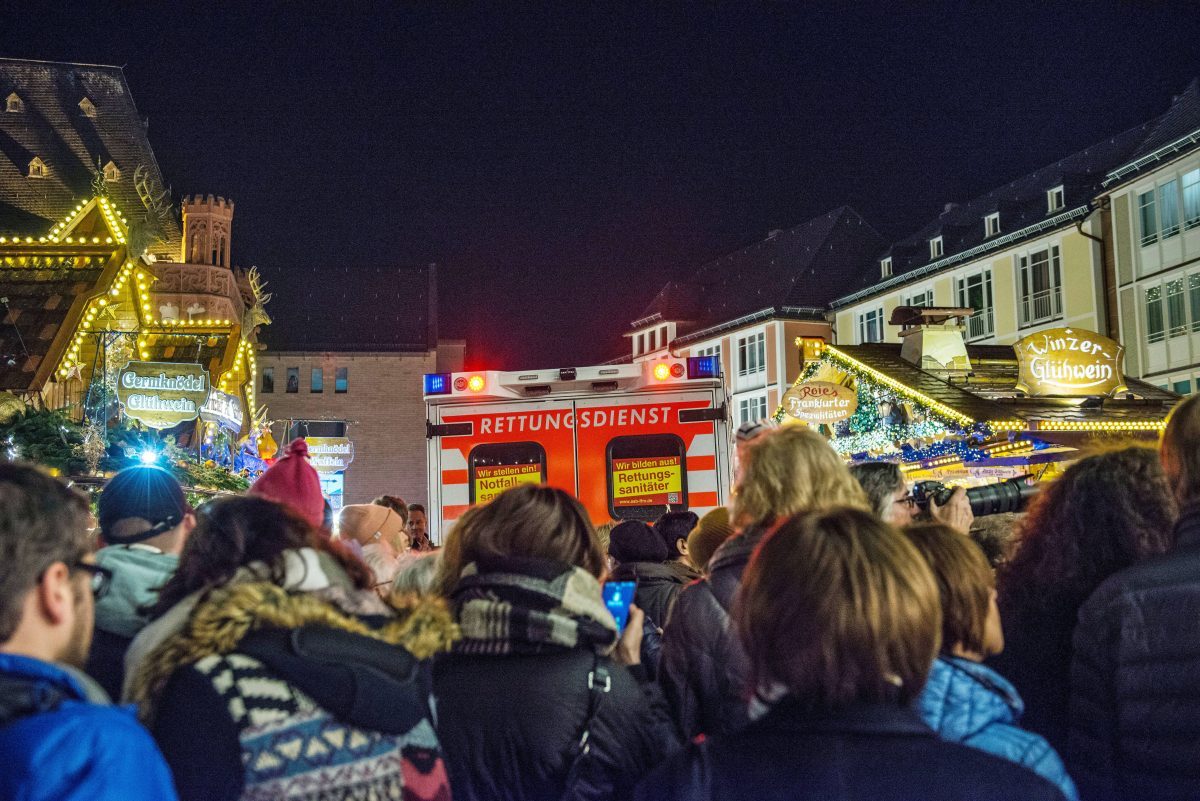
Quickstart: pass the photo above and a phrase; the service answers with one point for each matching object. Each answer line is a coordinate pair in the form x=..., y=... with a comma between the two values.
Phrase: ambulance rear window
x=495, y=468
x=647, y=476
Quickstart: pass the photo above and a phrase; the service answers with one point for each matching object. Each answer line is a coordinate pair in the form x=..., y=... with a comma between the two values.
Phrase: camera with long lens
x=990, y=499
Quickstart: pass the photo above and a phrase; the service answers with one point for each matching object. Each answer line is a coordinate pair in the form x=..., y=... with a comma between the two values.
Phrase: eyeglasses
x=908, y=501
x=101, y=577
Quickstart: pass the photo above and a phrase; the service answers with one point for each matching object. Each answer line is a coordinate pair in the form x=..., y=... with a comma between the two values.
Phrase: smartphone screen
x=618, y=595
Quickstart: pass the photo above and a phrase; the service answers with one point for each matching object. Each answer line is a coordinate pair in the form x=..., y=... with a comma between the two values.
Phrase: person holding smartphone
x=542, y=697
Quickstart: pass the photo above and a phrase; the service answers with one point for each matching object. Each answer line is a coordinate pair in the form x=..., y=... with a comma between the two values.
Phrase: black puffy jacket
x=510, y=726
x=703, y=667
x=658, y=584
x=1135, y=679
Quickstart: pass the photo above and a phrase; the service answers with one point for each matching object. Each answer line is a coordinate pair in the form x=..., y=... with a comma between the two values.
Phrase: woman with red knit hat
x=293, y=482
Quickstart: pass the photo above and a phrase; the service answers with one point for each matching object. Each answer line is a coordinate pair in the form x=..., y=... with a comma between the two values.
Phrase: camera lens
x=1005, y=496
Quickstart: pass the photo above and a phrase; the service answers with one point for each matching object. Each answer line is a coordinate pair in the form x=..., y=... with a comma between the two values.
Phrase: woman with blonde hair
x=540, y=697
x=788, y=471
x=841, y=620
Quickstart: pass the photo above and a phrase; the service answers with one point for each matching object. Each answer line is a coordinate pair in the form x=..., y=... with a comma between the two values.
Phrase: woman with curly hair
x=1106, y=512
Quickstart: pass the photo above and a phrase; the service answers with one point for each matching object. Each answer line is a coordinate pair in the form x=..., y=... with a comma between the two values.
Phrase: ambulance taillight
x=437, y=383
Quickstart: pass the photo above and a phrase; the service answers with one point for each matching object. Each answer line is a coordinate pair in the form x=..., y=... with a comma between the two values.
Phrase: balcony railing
x=979, y=324
x=1041, y=306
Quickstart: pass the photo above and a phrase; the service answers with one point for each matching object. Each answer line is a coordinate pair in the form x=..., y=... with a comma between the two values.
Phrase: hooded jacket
x=58, y=740
x=290, y=693
x=703, y=667
x=658, y=585
x=969, y=703
x=138, y=573
x=1135, y=678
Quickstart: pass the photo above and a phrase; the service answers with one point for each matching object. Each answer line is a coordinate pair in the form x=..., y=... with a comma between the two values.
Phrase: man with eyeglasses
x=59, y=737
x=892, y=499
x=144, y=522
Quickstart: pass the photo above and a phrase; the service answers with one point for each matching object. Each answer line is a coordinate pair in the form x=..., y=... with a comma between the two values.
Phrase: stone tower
x=207, y=225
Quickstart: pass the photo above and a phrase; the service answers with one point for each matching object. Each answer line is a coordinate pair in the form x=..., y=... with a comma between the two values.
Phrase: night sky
x=559, y=165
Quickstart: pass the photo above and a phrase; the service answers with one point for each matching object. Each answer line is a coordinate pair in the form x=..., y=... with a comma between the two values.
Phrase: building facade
x=1154, y=225
x=749, y=307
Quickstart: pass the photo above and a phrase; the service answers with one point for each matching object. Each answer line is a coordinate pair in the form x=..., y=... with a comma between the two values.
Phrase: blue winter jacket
x=969, y=703
x=76, y=749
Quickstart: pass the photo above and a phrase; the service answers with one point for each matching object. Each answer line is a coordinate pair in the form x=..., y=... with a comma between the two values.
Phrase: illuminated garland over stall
x=893, y=419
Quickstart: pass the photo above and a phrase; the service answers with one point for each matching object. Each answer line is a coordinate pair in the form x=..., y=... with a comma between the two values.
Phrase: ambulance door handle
x=713, y=413
x=447, y=430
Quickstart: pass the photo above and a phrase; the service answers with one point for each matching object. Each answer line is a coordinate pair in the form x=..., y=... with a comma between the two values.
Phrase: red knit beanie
x=293, y=482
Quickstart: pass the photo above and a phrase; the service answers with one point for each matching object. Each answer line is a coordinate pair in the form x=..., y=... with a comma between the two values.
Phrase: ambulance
x=630, y=441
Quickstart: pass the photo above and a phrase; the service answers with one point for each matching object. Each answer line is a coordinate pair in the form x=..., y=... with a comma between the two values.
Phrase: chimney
x=932, y=337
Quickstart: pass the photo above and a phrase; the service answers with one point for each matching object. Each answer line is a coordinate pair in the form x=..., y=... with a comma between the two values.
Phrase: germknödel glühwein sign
x=162, y=394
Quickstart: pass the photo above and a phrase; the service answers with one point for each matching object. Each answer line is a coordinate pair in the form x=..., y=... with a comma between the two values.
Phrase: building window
x=1148, y=218
x=14, y=104
x=1168, y=208
x=1041, y=286
x=713, y=350
x=1191, y=198
x=37, y=168
x=268, y=380
x=1155, y=332
x=935, y=248
x=870, y=326
x=652, y=341
x=923, y=299
x=991, y=224
x=1176, y=309
x=1054, y=199
x=662, y=337
x=87, y=107
x=293, y=379
x=317, y=381
x=1182, y=386
x=1194, y=300
x=885, y=267
x=341, y=379
x=752, y=354
x=975, y=292
x=751, y=410
x=111, y=173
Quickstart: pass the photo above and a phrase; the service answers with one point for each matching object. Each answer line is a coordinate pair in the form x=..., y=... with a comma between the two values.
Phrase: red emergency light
x=475, y=383
x=662, y=371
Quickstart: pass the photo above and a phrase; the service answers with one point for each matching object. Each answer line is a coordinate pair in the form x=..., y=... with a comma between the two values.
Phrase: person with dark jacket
x=60, y=738
x=533, y=701
x=1105, y=513
x=639, y=554
x=673, y=528
x=1135, y=672
x=703, y=668
x=965, y=701
x=840, y=620
x=144, y=521
x=274, y=669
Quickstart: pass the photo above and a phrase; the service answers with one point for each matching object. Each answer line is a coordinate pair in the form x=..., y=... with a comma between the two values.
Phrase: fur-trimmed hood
x=422, y=626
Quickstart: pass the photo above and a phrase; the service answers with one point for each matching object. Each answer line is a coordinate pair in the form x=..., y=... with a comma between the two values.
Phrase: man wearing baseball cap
x=144, y=521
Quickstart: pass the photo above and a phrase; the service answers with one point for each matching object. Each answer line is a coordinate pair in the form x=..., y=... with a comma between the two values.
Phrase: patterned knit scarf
x=514, y=605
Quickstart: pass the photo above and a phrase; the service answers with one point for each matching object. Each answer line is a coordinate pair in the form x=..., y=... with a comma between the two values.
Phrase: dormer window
x=37, y=168
x=936, y=250
x=111, y=173
x=991, y=224
x=1054, y=199
x=885, y=267
x=87, y=107
x=13, y=103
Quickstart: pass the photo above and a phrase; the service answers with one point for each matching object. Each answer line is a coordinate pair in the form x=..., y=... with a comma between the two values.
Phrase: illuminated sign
x=647, y=481
x=223, y=409
x=492, y=480
x=820, y=402
x=162, y=394
x=329, y=454
x=1069, y=361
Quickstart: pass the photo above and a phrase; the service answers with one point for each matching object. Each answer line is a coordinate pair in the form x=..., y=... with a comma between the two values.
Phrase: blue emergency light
x=704, y=366
x=437, y=383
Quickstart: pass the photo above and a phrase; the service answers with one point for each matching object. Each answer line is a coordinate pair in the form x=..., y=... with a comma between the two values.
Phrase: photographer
x=892, y=498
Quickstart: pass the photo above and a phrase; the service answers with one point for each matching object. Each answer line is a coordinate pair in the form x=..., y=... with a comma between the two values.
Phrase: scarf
x=516, y=605
x=304, y=571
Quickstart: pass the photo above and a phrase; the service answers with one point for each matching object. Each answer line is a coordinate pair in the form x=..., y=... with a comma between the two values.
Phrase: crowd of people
x=822, y=638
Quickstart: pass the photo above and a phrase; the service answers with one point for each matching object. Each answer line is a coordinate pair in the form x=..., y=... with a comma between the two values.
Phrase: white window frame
x=922, y=298
x=1036, y=307
x=937, y=248
x=870, y=322
x=1147, y=234
x=37, y=168
x=991, y=224
x=885, y=267
x=1055, y=199
x=751, y=352
x=752, y=408
x=1168, y=199
x=982, y=323
x=13, y=104
x=1190, y=180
